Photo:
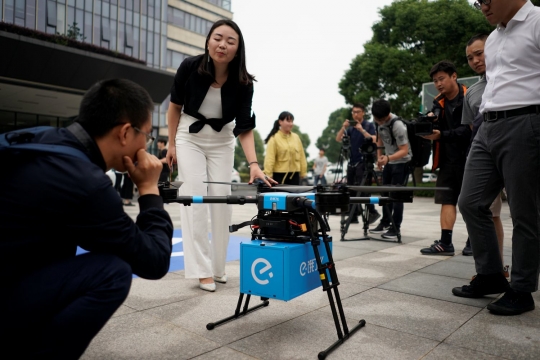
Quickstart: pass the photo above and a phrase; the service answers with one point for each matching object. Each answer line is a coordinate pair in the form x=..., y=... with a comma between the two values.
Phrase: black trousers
x=55, y=312
x=394, y=174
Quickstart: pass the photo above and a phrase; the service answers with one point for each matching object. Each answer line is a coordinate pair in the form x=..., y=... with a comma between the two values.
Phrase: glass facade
x=137, y=28
x=131, y=27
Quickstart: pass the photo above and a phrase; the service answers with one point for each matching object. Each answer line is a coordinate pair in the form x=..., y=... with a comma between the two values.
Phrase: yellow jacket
x=285, y=154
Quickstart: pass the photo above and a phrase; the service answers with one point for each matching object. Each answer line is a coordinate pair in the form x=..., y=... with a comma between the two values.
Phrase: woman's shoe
x=222, y=279
x=208, y=287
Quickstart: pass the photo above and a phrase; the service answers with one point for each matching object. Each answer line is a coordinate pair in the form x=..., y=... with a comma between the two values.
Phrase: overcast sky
x=299, y=50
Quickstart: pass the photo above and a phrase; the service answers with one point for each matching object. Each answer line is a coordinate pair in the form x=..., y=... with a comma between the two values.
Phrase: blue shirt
x=357, y=140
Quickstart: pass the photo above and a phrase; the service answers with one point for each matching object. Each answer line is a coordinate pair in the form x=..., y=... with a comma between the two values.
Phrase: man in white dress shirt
x=506, y=152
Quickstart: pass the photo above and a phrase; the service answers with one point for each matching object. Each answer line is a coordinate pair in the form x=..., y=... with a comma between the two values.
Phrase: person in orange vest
x=450, y=143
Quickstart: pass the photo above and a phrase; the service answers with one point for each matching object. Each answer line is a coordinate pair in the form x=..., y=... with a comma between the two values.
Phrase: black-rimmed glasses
x=149, y=138
x=478, y=4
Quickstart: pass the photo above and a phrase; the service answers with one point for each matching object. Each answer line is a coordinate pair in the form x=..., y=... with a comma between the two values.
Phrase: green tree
x=327, y=140
x=410, y=38
x=240, y=162
x=536, y=2
x=303, y=137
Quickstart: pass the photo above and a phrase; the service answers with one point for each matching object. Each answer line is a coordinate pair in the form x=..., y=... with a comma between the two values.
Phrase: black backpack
x=420, y=147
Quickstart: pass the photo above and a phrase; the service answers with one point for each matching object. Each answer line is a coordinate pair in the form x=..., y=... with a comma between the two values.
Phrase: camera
x=368, y=147
x=167, y=191
x=345, y=142
x=353, y=123
x=424, y=124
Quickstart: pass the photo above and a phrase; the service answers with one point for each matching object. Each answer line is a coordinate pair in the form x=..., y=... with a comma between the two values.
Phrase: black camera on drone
x=167, y=191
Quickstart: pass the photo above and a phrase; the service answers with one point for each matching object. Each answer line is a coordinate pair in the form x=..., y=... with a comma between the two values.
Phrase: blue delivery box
x=279, y=270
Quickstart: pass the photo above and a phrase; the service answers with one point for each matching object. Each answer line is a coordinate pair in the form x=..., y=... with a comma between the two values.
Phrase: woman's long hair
x=285, y=115
x=237, y=65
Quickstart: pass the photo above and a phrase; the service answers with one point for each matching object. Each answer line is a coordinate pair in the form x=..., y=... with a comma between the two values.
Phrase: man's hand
x=146, y=173
x=435, y=136
x=346, y=124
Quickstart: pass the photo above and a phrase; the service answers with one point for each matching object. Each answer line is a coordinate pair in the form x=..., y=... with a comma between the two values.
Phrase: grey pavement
x=404, y=297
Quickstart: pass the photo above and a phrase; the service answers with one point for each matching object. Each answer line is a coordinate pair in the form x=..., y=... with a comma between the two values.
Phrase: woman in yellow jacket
x=285, y=160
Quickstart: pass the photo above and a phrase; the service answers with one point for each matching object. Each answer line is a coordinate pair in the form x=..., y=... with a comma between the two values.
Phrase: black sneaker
x=379, y=229
x=373, y=216
x=438, y=248
x=512, y=303
x=467, y=250
x=390, y=234
x=483, y=285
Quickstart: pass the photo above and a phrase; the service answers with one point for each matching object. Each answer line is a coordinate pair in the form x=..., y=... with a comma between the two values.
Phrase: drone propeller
x=229, y=183
x=177, y=183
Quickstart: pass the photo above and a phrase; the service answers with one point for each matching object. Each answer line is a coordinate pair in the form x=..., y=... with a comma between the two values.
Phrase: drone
x=293, y=215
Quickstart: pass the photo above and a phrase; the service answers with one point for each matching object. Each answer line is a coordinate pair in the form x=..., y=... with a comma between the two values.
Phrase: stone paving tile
x=401, y=261
x=123, y=310
x=318, y=298
x=366, y=245
x=224, y=353
x=513, y=337
x=435, y=287
x=342, y=253
x=353, y=270
x=464, y=271
x=449, y=352
x=139, y=336
x=145, y=294
x=429, y=318
x=194, y=314
x=412, y=250
x=304, y=337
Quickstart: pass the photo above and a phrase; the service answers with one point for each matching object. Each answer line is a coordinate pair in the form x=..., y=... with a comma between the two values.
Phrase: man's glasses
x=149, y=138
x=478, y=4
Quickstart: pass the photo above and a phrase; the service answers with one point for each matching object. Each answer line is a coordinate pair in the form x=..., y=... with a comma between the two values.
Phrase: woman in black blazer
x=208, y=93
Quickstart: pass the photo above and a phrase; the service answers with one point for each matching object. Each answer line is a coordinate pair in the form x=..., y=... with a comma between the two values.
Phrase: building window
x=175, y=58
x=188, y=21
x=51, y=13
x=105, y=29
x=129, y=36
x=20, y=9
x=224, y=4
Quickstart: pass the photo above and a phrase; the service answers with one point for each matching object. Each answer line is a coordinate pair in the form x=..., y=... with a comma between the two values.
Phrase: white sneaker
x=222, y=279
x=208, y=287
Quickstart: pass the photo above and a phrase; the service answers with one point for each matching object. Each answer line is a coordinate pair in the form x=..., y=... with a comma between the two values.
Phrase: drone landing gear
x=330, y=282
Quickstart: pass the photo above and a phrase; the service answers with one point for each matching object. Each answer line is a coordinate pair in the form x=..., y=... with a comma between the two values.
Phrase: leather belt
x=494, y=115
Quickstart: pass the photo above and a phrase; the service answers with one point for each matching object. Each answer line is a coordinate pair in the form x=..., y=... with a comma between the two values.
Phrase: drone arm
x=233, y=199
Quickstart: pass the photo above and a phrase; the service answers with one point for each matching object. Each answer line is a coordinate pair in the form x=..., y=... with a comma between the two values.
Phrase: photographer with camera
x=450, y=143
x=354, y=133
x=392, y=134
x=53, y=302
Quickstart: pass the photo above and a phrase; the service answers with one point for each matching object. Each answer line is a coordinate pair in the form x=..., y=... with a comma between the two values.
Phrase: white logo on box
x=267, y=267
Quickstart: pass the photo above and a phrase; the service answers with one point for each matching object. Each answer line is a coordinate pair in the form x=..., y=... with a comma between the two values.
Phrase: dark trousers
x=394, y=174
x=505, y=153
x=55, y=312
x=355, y=175
x=287, y=178
x=319, y=179
x=126, y=192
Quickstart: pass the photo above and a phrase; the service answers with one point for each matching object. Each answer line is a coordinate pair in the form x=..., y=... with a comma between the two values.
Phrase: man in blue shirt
x=54, y=302
x=358, y=131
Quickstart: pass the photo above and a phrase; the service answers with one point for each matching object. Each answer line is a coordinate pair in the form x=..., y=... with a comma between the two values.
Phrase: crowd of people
x=482, y=138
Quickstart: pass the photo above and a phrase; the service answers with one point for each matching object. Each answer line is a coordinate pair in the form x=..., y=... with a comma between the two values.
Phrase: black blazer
x=189, y=90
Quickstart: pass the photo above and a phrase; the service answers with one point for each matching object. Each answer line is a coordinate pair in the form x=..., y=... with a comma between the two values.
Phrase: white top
x=513, y=62
x=211, y=105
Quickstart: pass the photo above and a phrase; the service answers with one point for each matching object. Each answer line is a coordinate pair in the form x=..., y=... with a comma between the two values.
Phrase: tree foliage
x=240, y=162
x=327, y=141
x=410, y=38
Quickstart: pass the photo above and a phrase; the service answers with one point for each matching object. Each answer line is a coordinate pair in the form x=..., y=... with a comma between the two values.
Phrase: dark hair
x=321, y=149
x=285, y=115
x=237, y=65
x=359, y=105
x=109, y=103
x=380, y=108
x=445, y=66
x=481, y=37
x=163, y=141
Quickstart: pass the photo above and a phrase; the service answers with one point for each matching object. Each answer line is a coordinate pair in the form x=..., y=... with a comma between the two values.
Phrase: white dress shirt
x=513, y=62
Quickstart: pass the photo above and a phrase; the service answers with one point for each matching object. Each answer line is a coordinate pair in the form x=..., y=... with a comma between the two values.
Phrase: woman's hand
x=170, y=158
x=255, y=172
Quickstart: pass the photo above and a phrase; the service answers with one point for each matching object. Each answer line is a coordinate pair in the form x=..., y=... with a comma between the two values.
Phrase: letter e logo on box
x=267, y=267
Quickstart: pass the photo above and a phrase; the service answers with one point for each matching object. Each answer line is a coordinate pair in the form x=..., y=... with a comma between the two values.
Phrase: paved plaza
x=404, y=297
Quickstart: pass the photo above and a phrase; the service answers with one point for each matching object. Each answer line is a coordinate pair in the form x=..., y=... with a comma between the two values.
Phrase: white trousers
x=205, y=156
